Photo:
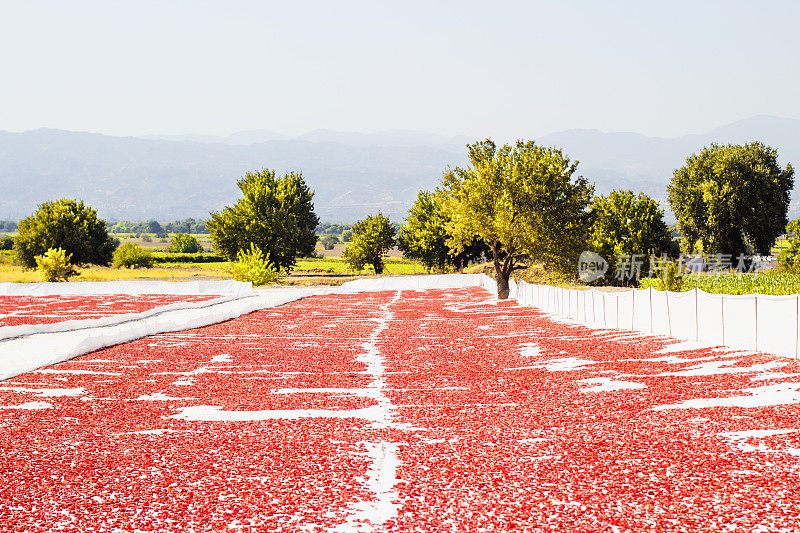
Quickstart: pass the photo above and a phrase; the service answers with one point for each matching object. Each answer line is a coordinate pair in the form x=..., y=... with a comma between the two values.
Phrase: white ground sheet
x=753, y=322
x=28, y=347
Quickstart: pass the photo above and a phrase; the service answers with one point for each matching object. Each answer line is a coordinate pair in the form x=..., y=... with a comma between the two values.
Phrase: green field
x=330, y=270
x=338, y=265
x=769, y=282
x=154, y=243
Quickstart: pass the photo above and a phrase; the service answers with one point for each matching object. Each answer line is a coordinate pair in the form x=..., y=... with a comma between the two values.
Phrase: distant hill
x=240, y=138
x=131, y=178
x=353, y=174
x=640, y=163
x=407, y=138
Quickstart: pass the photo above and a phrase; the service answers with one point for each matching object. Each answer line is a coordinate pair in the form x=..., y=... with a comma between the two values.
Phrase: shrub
x=146, y=238
x=372, y=238
x=6, y=243
x=65, y=224
x=789, y=258
x=671, y=280
x=55, y=265
x=183, y=243
x=131, y=256
x=254, y=267
x=329, y=241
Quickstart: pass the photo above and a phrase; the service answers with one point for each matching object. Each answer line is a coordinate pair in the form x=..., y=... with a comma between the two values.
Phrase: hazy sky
x=505, y=69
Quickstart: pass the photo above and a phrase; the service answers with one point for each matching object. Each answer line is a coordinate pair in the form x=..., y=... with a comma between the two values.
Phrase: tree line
x=189, y=225
x=516, y=205
x=528, y=204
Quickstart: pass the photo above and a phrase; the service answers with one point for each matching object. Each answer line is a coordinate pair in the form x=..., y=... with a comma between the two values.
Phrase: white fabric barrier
x=755, y=322
x=220, y=287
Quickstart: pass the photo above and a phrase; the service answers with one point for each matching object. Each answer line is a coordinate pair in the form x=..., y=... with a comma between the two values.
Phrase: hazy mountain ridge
x=353, y=174
x=132, y=178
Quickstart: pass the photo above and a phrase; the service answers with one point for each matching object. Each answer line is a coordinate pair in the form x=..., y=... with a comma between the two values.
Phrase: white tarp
x=28, y=347
x=751, y=322
x=220, y=287
x=768, y=324
x=24, y=330
x=29, y=352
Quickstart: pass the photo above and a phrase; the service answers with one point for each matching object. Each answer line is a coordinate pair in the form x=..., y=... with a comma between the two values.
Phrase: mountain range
x=353, y=174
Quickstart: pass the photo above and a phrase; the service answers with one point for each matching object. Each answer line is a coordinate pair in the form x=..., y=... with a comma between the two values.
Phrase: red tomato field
x=24, y=310
x=441, y=410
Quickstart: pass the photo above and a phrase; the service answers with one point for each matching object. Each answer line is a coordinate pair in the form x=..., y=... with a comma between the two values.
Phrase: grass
x=161, y=244
x=335, y=265
x=15, y=273
x=330, y=270
x=781, y=244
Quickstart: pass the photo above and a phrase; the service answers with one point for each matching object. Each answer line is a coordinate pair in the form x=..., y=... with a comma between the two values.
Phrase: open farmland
x=440, y=410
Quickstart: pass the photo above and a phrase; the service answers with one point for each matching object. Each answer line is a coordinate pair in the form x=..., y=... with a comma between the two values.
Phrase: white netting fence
x=751, y=322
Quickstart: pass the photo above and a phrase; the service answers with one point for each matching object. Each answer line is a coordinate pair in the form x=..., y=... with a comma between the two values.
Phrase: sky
x=500, y=69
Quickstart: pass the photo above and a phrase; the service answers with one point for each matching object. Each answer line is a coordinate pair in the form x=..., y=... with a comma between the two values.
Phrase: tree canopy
x=524, y=201
x=183, y=243
x=424, y=236
x=728, y=197
x=66, y=224
x=373, y=236
x=626, y=225
x=789, y=257
x=275, y=214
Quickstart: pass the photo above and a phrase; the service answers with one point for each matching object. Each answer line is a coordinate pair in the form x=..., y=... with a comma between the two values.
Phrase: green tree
x=424, y=236
x=329, y=241
x=626, y=225
x=728, y=197
x=276, y=215
x=68, y=225
x=151, y=226
x=131, y=256
x=524, y=201
x=372, y=238
x=183, y=243
x=789, y=258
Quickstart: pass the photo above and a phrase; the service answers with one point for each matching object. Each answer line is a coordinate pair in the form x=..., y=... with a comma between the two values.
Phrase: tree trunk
x=502, y=270
x=378, y=266
x=502, y=282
